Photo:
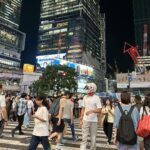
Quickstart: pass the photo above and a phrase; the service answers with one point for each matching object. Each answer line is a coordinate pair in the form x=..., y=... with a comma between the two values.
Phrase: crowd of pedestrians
x=122, y=120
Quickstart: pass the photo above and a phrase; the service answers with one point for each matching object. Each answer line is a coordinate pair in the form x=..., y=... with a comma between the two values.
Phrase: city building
x=12, y=42
x=141, y=14
x=76, y=30
x=11, y=39
x=26, y=81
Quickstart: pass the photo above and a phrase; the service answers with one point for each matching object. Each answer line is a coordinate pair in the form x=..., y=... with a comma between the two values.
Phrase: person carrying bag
x=108, y=112
x=143, y=128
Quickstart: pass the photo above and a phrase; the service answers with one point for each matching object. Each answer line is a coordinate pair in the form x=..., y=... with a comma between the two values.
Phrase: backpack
x=54, y=109
x=126, y=132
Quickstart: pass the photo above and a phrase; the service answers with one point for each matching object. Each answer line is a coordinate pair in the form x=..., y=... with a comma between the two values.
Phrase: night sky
x=119, y=28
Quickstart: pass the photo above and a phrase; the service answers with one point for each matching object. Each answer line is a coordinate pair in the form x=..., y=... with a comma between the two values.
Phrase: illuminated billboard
x=28, y=68
x=46, y=60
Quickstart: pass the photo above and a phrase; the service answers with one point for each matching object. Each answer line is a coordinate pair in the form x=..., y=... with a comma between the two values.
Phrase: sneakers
x=109, y=143
x=76, y=139
x=58, y=147
x=21, y=133
x=24, y=126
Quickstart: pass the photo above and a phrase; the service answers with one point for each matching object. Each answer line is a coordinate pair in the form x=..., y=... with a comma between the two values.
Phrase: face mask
x=90, y=94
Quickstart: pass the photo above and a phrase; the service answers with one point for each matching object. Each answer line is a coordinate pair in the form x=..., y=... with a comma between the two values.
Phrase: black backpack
x=54, y=109
x=126, y=131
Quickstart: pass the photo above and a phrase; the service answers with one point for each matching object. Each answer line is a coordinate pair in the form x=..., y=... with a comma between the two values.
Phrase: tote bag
x=143, y=129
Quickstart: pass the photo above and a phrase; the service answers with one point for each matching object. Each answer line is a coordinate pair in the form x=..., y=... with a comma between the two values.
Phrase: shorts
x=56, y=128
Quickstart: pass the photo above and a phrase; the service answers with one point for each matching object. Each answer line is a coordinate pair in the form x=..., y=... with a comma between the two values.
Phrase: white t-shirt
x=41, y=128
x=30, y=104
x=90, y=103
x=80, y=101
x=2, y=104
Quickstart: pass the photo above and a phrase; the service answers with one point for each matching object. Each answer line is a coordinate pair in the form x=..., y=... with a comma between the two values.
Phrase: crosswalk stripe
x=21, y=142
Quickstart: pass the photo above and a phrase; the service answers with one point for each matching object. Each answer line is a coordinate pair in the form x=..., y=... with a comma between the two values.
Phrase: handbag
x=2, y=123
x=106, y=118
x=143, y=129
x=101, y=118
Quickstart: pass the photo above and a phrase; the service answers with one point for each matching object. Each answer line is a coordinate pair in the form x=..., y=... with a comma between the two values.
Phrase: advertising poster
x=136, y=81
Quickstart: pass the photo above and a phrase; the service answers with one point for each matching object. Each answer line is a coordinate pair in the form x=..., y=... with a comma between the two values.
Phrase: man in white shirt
x=88, y=119
x=3, y=113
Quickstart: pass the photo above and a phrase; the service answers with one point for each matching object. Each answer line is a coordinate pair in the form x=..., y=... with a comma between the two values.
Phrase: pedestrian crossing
x=21, y=142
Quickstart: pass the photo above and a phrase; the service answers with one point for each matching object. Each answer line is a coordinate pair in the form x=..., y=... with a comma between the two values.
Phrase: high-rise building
x=73, y=27
x=11, y=39
x=141, y=14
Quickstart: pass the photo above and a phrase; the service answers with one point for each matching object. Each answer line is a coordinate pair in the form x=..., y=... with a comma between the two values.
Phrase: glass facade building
x=74, y=27
x=141, y=13
x=141, y=9
x=11, y=39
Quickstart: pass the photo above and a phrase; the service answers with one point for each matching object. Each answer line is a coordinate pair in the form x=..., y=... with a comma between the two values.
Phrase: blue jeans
x=71, y=127
x=128, y=147
x=39, y=139
x=26, y=121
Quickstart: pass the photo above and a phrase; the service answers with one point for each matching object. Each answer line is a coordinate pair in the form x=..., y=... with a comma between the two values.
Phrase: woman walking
x=29, y=112
x=142, y=112
x=108, y=111
x=41, y=128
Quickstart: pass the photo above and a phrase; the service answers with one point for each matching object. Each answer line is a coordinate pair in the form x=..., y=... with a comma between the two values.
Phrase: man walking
x=20, y=110
x=89, y=120
x=68, y=115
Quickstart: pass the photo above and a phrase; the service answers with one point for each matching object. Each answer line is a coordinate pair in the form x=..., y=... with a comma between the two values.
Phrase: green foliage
x=52, y=81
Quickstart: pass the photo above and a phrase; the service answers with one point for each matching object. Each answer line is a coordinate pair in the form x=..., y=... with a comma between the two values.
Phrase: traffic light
x=62, y=73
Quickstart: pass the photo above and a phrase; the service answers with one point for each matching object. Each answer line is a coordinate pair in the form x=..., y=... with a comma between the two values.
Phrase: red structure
x=132, y=51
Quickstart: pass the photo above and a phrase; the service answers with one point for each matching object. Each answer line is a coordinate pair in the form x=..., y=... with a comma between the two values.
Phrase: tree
x=56, y=78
